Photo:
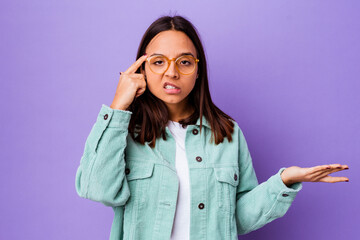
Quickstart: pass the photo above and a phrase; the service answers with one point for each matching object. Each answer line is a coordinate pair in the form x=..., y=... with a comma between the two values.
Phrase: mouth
x=170, y=88
x=168, y=85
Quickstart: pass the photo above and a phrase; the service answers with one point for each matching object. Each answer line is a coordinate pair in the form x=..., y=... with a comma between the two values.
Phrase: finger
x=137, y=76
x=333, y=179
x=322, y=168
x=323, y=173
x=319, y=175
x=318, y=170
x=141, y=83
x=140, y=92
x=136, y=65
x=338, y=167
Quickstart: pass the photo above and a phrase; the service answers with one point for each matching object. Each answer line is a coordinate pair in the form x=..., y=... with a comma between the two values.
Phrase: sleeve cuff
x=114, y=117
x=285, y=193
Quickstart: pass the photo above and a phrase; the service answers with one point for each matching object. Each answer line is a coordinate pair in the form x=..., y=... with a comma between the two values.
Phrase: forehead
x=171, y=43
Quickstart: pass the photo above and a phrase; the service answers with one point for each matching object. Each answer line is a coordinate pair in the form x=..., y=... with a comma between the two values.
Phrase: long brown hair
x=150, y=114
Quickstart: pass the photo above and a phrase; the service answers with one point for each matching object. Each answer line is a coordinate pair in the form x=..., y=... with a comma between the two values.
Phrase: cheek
x=153, y=83
x=191, y=84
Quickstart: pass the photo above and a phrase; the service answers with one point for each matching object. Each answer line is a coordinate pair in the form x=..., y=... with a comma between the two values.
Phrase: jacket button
x=199, y=159
x=127, y=171
x=106, y=116
x=235, y=177
x=285, y=195
x=201, y=205
x=195, y=131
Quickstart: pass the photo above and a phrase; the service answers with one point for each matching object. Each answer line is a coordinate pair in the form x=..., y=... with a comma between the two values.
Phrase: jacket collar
x=204, y=122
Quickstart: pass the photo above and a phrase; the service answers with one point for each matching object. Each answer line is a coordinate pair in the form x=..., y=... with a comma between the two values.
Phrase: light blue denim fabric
x=141, y=184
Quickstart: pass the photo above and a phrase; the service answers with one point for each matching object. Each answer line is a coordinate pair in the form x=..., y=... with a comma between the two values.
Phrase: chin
x=174, y=100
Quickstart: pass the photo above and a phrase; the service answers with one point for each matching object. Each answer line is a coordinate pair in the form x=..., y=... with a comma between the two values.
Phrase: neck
x=179, y=111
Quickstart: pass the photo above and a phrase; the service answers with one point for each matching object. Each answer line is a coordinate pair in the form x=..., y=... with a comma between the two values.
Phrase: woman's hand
x=320, y=173
x=130, y=85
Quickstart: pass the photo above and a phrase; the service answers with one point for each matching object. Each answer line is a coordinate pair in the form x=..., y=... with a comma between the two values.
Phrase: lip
x=171, y=84
x=172, y=91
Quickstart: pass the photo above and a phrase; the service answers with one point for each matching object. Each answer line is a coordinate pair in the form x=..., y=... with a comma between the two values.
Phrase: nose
x=172, y=71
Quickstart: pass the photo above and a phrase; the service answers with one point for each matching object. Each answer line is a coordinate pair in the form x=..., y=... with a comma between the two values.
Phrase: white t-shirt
x=181, y=227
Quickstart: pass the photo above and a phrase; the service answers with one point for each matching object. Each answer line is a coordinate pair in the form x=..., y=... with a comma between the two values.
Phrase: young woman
x=170, y=163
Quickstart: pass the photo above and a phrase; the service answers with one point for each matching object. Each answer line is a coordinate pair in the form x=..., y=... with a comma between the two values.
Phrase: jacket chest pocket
x=227, y=179
x=138, y=174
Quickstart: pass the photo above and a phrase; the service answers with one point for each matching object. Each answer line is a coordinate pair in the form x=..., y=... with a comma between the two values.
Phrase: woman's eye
x=184, y=62
x=158, y=62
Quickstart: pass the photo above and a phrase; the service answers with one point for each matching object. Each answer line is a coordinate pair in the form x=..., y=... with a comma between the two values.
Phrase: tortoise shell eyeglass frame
x=169, y=62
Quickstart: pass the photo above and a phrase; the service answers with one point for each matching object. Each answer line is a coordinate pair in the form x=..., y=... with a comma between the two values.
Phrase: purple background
x=287, y=71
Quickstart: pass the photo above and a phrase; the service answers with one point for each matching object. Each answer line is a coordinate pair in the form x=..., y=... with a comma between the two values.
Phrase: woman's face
x=171, y=44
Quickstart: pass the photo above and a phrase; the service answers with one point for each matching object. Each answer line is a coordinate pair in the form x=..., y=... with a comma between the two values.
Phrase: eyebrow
x=181, y=54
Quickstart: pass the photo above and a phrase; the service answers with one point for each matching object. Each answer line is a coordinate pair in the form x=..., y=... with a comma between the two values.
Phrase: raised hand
x=130, y=85
x=313, y=174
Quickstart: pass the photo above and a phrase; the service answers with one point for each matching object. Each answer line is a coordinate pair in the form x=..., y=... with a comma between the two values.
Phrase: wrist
x=117, y=107
x=286, y=180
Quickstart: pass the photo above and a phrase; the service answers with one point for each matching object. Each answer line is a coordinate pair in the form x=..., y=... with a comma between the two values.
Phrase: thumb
x=140, y=92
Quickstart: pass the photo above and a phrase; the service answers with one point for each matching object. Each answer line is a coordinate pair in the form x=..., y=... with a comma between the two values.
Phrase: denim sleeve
x=259, y=204
x=101, y=174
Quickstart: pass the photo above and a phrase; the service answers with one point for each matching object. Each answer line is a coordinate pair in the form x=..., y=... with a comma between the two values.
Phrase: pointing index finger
x=136, y=65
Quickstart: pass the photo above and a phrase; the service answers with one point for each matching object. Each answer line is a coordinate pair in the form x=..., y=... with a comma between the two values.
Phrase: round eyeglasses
x=185, y=64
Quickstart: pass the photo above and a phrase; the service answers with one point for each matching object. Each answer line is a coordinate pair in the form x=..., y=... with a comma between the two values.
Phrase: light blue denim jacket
x=141, y=184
